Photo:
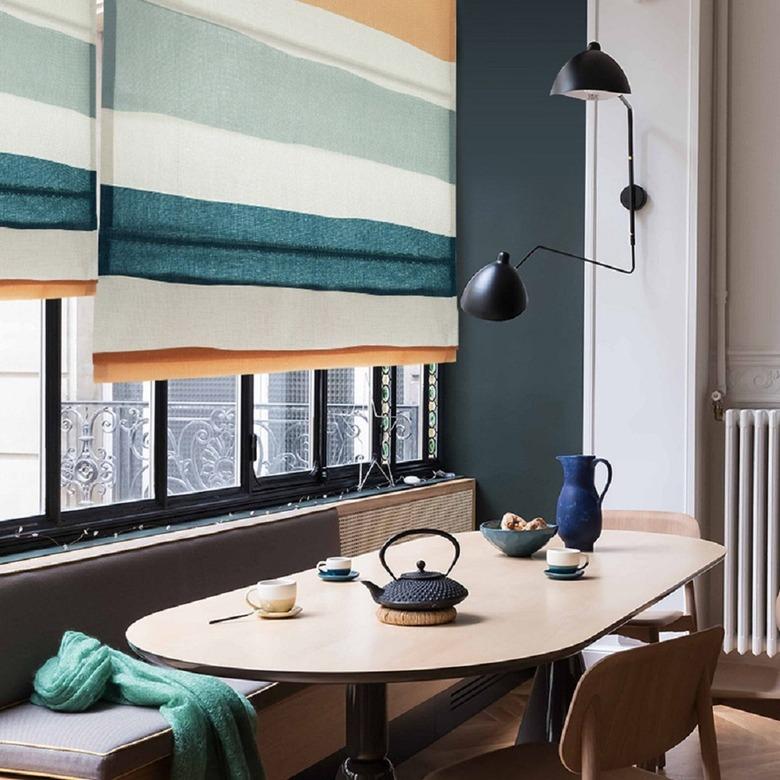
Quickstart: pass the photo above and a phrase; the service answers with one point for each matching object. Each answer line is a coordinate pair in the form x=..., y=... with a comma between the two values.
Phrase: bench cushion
x=106, y=742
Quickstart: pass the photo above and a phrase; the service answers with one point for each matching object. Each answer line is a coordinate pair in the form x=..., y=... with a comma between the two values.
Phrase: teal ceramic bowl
x=517, y=544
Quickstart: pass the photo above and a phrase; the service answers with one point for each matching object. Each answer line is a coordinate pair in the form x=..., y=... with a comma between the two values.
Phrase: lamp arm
x=583, y=259
x=631, y=210
x=631, y=192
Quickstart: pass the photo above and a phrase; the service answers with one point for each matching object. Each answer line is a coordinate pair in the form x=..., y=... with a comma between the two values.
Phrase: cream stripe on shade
x=21, y=122
x=314, y=34
x=48, y=254
x=138, y=314
x=177, y=157
x=75, y=18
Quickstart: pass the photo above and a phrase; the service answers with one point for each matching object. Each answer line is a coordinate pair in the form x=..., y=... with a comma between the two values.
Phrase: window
x=142, y=454
x=105, y=437
x=349, y=416
x=202, y=435
x=409, y=385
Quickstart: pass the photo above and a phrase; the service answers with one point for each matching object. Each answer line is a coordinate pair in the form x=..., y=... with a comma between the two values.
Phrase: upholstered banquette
x=101, y=595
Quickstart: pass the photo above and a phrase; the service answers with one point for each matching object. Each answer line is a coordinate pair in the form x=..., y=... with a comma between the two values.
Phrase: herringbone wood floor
x=749, y=745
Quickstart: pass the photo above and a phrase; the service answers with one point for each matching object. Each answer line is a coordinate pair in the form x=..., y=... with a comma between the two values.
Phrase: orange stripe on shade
x=30, y=289
x=190, y=362
x=427, y=24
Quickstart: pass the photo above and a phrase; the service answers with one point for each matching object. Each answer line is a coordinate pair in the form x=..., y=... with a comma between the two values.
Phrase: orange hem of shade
x=31, y=289
x=427, y=24
x=188, y=362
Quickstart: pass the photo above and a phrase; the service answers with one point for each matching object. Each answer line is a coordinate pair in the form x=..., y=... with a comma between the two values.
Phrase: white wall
x=752, y=191
x=746, y=321
x=645, y=357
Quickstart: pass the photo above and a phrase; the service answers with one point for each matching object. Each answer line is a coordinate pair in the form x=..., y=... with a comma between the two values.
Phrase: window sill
x=47, y=557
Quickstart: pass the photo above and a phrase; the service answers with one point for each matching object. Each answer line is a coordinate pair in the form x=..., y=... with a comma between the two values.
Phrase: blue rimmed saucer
x=565, y=575
x=328, y=577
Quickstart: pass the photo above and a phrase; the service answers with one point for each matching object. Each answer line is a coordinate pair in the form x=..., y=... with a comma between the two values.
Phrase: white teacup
x=566, y=558
x=338, y=564
x=276, y=595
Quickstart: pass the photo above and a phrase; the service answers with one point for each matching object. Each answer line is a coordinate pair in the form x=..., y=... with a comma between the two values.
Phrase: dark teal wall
x=514, y=398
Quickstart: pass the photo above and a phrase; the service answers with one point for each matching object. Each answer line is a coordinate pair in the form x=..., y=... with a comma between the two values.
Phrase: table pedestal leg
x=367, y=734
x=551, y=696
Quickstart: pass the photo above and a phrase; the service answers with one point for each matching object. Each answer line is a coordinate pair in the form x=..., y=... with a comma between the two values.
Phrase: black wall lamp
x=496, y=291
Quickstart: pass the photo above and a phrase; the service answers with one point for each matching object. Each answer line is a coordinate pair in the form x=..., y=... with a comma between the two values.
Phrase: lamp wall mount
x=640, y=197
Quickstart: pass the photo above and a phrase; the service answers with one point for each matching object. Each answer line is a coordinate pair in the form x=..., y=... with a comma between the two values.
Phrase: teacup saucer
x=567, y=575
x=328, y=577
x=294, y=612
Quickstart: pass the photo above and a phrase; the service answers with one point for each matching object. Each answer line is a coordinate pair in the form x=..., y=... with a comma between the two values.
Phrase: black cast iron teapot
x=419, y=590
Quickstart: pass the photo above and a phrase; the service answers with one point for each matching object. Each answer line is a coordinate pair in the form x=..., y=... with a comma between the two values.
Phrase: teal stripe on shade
x=171, y=238
x=46, y=66
x=38, y=193
x=160, y=61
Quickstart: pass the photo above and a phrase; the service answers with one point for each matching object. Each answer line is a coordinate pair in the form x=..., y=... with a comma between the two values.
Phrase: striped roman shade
x=48, y=243
x=278, y=186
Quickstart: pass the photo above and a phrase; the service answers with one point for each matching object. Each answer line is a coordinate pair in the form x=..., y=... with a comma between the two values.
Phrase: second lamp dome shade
x=495, y=292
x=591, y=75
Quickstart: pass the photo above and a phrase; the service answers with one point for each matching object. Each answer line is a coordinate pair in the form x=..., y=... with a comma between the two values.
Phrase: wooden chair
x=627, y=708
x=648, y=625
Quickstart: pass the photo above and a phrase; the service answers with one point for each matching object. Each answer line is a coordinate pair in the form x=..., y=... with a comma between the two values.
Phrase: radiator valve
x=717, y=404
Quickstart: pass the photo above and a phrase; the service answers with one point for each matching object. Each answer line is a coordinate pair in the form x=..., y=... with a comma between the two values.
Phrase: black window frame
x=54, y=525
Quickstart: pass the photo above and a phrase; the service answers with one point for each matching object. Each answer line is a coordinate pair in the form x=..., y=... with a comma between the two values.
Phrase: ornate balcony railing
x=106, y=445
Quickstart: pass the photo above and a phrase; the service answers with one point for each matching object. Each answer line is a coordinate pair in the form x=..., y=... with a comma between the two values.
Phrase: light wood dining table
x=513, y=618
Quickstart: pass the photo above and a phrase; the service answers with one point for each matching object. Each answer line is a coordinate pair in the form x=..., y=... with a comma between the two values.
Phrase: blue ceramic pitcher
x=579, y=504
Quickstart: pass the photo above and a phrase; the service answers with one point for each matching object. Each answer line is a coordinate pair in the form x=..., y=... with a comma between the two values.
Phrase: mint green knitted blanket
x=213, y=725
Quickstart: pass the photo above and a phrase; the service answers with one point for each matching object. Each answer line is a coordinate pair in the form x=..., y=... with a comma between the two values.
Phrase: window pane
x=202, y=441
x=408, y=413
x=105, y=428
x=283, y=422
x=21, y=386
x=349, y=416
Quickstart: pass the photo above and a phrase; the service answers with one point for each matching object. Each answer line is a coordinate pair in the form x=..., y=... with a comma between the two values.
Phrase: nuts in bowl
x=512, y=522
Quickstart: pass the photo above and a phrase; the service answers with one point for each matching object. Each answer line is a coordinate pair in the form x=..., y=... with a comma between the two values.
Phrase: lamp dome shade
x=591, y=75
x=495, y=292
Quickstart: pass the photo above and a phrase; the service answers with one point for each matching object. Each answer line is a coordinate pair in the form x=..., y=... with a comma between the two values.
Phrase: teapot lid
x=420, y=574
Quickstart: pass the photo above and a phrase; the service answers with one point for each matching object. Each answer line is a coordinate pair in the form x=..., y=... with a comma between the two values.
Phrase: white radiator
x=752, y=532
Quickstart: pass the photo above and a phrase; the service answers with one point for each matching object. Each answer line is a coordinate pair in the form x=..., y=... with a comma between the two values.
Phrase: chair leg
x=658, y=763
x=690, y=603
x=708, y=740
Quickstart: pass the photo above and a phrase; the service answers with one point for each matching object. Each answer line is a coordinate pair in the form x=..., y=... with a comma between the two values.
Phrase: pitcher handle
x=609, y=475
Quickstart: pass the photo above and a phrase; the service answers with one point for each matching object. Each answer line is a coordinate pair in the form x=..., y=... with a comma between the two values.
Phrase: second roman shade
x=277, y=187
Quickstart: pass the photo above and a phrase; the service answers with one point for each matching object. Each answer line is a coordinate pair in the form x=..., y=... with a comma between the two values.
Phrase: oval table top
x=513, y=617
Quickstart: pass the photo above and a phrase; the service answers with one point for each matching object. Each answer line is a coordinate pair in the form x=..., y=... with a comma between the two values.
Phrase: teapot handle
x=415, y=532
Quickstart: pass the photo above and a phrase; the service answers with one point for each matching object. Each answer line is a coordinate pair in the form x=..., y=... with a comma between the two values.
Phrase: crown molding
x=754, y=376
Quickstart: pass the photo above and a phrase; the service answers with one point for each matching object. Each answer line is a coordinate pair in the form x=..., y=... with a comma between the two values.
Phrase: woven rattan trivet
x=433, y=617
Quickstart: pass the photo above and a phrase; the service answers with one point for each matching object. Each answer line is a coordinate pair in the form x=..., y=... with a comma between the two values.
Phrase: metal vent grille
x=368, y=530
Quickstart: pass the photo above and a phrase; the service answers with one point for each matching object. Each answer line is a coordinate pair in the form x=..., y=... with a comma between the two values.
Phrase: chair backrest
x=637, y=704
x=651, y=522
